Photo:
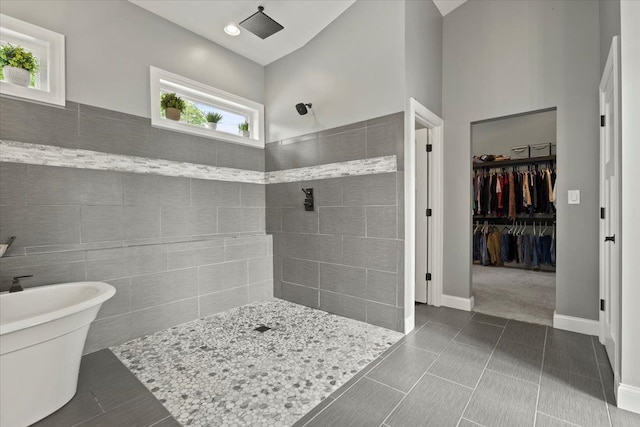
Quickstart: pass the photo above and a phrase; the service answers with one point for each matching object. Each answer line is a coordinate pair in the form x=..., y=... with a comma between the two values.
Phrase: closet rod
x=507, y=221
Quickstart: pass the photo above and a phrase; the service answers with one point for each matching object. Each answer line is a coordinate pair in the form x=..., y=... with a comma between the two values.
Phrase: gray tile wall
x=176, y=249
x=346, y=257
x=382, y=136
x=51, y=209
x=91, y=128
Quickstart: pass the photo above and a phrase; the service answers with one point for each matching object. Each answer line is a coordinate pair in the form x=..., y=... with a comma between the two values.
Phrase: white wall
x=609, y=27
x=423, y=54
x=351, y=71
x=630, y=70
x=110, y=45
x=502, y=58
x=498, y=136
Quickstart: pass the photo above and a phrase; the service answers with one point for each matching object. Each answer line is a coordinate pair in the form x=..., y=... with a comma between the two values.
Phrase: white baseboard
x=459, y=303
x=629, y=398
x=576, y=324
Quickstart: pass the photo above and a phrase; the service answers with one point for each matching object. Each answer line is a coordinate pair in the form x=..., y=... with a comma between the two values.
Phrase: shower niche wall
x=513, y=177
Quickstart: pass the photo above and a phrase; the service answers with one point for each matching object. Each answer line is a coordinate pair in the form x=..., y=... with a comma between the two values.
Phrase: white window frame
x=52, y=67
x=161, y=80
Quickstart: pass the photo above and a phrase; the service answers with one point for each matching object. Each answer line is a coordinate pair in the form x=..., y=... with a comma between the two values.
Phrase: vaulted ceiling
x=302, y=21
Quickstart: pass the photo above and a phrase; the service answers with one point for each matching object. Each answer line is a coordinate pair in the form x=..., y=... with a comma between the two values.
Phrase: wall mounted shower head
x=303, y=108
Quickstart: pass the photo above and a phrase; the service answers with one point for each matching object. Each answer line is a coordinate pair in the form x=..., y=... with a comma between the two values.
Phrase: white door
x=422, y=223
x=610, y=204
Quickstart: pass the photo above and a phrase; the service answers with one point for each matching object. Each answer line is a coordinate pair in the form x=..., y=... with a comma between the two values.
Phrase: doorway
x=513, y=176
x=422, y=128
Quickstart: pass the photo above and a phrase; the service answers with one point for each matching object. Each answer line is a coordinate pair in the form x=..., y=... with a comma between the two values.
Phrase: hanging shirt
x=512, y=196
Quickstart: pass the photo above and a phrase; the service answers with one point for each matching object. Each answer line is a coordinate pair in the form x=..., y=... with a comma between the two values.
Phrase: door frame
x=611, y=72
x=418, y=113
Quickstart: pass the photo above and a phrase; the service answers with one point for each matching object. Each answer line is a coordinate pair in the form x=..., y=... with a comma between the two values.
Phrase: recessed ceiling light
x=232, y=30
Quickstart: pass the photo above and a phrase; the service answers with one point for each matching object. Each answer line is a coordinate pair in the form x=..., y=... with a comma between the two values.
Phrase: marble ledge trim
x=46, y=155
x=375, y=165
x=36, y=154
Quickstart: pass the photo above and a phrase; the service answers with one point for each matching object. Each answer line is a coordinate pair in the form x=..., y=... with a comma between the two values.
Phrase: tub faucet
x=15, y=285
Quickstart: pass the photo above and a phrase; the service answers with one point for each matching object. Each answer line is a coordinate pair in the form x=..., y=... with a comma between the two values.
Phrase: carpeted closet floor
x=512, y=293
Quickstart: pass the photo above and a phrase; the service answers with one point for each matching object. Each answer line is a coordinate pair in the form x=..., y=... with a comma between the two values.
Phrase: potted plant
x=18, y=65
x=172, y=105
x=213, y=119
x=243, y=129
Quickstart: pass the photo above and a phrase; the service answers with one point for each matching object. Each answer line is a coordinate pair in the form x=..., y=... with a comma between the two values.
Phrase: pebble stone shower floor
x=220, y=371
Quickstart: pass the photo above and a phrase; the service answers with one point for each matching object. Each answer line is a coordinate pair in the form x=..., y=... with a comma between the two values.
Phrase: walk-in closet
x=513, y=189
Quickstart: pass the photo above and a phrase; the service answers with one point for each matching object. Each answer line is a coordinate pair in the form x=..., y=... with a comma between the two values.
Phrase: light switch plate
x=574, y=197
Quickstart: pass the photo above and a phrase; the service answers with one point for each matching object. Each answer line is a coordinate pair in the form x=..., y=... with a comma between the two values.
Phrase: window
x=199, y=100
x=47, y=85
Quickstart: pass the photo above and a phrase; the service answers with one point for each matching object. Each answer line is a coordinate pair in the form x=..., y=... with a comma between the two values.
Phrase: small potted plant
x=213, y=119
x=18, y=65
x=243, y=129
x=172, y=105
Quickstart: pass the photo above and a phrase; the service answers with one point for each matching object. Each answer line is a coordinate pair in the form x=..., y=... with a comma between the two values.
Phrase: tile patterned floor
x=457, y=368
x=219, y=371
x=109, y=395
x=470, y=369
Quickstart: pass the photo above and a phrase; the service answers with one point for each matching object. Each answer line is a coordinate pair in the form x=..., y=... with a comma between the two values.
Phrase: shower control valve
x=308, y=200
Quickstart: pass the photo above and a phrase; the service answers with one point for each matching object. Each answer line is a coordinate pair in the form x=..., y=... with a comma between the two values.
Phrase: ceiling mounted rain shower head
x=261, y=24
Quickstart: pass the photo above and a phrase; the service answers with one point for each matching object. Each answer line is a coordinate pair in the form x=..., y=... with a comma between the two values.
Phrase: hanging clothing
x=512, y=196
x=493, y=243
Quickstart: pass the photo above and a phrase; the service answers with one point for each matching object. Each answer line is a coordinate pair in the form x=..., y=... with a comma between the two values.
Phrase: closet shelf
x=515, y=162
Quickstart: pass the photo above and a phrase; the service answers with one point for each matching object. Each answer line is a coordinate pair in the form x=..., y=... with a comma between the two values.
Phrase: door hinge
x=429, y=148
x=610, y=239
x=602, y=121
x=429, y=213
x=428, y=276
x=601, y=305
x=601, y=213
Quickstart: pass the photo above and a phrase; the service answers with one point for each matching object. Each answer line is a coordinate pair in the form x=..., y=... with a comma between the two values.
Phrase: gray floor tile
x=112, y=385
x=312, y=413
x=572, y=398
x=402, y=368
x=622, y=418
x=543, y=420
x=517, y=360
x=557, y=339
x=432, y=337
x=492, y=320
x=601, y=352
x=97, y=359
x=502, y=401
x=524, y=333
x=424, y=313
x=141, y=412
x=467, y=423
x=367, y=403
x=354, y=379
x=583, y=363
x=479, y=335
x=451, y=317
x=608, y=382
x=167, y=422
x=461, y=364
x=432, y=402
x=81, y=407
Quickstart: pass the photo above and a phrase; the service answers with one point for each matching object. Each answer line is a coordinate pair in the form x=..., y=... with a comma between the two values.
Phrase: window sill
x=181, y=127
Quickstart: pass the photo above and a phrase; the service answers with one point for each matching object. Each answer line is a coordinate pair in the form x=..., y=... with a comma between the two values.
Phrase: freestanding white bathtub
x=42, y=334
